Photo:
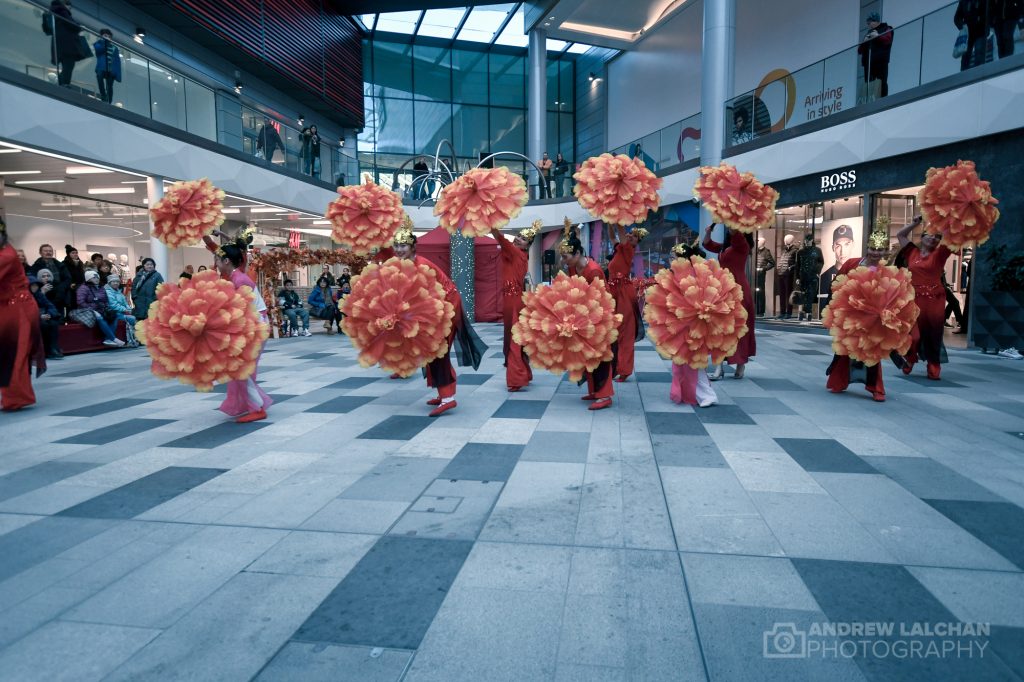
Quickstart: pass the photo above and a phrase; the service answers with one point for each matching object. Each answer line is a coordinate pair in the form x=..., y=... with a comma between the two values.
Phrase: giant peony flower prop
x=736, y=199
x=569, y=326
x=365, y=217
x=397, y=316
x=959, y=205
x=617, y=189
x=202, y=331
x=695, y=309
x=482, y=200
x=189, y=210
x=871, y=313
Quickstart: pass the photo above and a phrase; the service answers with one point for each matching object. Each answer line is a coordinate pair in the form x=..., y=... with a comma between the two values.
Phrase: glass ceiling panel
x=513, y=33
x=578, y=48
x=487, y=19
x=441, y=23
x=398, y=22
x=556, y=45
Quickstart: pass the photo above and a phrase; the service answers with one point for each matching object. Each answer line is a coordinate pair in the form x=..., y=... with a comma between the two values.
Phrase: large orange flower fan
x=203, y=331
x=397, y=316
x=695, y=309
x=568, y=326
x=188, y=210
x=365, y=217
x=872, y=313
x=959, y=205
x=738, y=200
x=482, y=200
x=617, y=189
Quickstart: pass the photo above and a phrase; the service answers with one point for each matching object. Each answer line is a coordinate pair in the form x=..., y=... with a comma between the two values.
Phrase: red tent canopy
x=435, y=246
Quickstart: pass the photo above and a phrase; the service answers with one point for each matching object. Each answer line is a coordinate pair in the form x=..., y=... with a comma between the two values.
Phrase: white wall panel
x=32, y=119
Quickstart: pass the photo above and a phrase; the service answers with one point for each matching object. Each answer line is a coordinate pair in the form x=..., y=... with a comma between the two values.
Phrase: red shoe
x=252, y=417
x=444, y=407
x=934, y=370
x=589, y=396
x=514, y=389
x=621, y=379
x=434, y=401
x=878, y=397
x=908, y=368
x=601, y=404
x=396, y=375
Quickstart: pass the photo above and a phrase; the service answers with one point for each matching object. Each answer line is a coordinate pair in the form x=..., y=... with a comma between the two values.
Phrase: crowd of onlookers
x=97, y=294
x=325, y=300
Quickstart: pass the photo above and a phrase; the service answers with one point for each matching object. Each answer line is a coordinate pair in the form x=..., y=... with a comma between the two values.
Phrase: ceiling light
x=238, y=86
x=86, y=170
x=140, y=33
x=60, y=203
x=38, y=182
x=302, y=119
x=321, y=222
x=9, y=151
x=270, y=220
x=245, y=206
x=133, y=182
x=20, y=172
x=55, y=210
x=85, y=215
x=629, y=36
x=264, y=209
x=111, y=190
x=12, y=194
x=230, y=210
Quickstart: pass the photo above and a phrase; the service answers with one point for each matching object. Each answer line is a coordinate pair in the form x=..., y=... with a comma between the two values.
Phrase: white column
x=717, y=74
x=536, y=111
x=537, y=260
x=157, y=249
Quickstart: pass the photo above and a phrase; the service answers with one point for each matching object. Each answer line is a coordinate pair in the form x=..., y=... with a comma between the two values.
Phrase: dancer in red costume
x=440, y=373
x=838, y=371
x=623, y=288
x=734, y=255
x=926, y=264
x=245, y=399
x=600, y=387
x=21, y=341
x=515, y=262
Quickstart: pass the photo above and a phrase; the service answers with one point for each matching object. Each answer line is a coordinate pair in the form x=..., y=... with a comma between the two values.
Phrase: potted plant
x=999, y=310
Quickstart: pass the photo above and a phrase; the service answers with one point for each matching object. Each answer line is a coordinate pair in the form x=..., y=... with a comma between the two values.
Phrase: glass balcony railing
x=920, y=52
x=673, y=144
x=65, y=55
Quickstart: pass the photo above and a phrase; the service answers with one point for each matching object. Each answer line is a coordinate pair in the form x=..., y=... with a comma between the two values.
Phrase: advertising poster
x=840, y=241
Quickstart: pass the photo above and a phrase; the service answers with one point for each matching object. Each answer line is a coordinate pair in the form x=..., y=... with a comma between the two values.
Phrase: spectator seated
x=77, y=338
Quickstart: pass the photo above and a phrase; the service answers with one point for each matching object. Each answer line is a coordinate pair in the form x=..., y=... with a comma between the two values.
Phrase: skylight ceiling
x=488, y=24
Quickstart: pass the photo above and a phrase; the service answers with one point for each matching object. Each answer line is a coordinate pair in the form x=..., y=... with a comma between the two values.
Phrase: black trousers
x=67, y=67
x=810, y=289
x=759, y=295
x=1004, y=37
x=974, y=55
x=50, y=330
x=106, y=84
x=786, y=281
x=953, y=306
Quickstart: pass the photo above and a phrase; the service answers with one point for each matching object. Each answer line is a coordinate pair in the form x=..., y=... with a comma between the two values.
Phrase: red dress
x=733, y=258
x=599, y=382
x=839, y=371
x=514, y=265
x=440, y=373
x=21, y=342
x=930, y=296
x=622, y=287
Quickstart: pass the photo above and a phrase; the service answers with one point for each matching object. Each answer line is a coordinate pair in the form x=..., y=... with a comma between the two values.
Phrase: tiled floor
x=519, y=537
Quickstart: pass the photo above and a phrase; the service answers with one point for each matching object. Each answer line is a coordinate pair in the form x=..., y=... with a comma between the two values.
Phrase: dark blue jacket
x=108, y=58
x=316, y=298
x=45, y=307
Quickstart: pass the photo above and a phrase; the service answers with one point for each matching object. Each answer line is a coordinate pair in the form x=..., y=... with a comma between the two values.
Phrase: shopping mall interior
x=765, y=510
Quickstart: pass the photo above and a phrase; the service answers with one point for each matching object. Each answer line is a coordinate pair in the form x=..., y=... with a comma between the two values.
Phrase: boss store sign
x=839, y=181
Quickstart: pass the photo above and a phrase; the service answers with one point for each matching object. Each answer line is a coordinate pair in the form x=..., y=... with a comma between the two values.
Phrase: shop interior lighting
x=86, y=170
x=111, y=190
x=20, y=172
x=38, y=182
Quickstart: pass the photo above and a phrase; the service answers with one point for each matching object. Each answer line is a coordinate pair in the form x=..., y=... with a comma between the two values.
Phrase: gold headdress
x=532, y=231
x=879, y=237
x=640, y=233
x=684, y=250
x=404, y=236
x=406, y=223
x=568, y=238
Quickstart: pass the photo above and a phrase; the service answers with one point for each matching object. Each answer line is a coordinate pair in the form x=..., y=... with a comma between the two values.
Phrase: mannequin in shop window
x=764, y=261
x=808, y=271
x=786, y=272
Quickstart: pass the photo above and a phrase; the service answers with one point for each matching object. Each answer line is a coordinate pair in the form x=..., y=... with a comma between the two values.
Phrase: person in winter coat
x=49, y=319
x=60, y=277
x=108, y=65
x=117, y=302
x=144, y=288
x=92, y=298
x=267, y=141
x=76, y=269
x=64, y=32
x=974, y=15
x=1005, y=15
x=313, y=151
x=322, y=305
x=874, y=52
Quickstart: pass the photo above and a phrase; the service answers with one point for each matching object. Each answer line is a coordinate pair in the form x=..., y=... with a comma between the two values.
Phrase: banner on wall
x=841, y=240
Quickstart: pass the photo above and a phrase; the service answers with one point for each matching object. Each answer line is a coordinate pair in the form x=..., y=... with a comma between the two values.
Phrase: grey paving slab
x=38, y=476
x=754, y=405
x=390, y=597
x=103, y=408
x=143, y=494
x=74, y=652
x=556, y=446
x=84, y=372
x=877, y=593
x=318, y=554
x=1000, y=525
x=341, y=404
x=724, y=414
x=356, y=516
x=675, y=423
x=687, y=451
x=396, y=479
x=929, y=479
x=41, y=540
x=469, y=379
x=820, y=454
x=114, y=432
x=397, y=427
x=233, y=633
x=764, y=582
x=335, y=663
x=540, y=503
x=1008, y=645
x=776, y=385
x=522, y=409
x=450, y=509
x=995, y=597
x=653, y=377
x=483, y=462
x=354, y=382
x=217, y=435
